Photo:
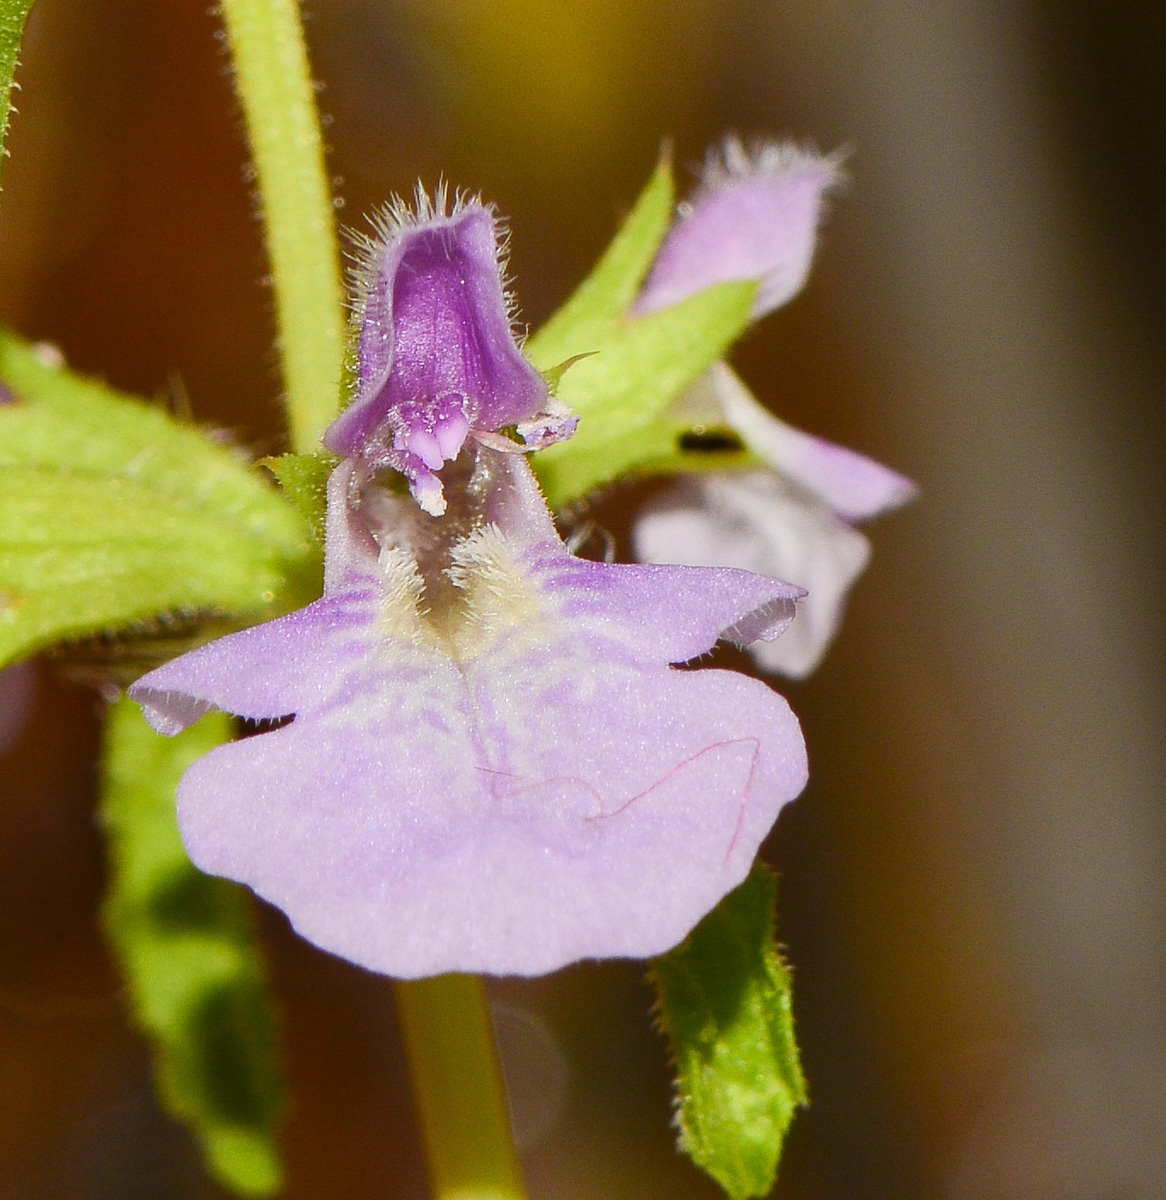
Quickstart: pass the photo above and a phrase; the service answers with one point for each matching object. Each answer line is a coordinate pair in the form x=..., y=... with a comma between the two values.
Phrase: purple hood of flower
x=493, y=765
x=436, y=358
x=754, y=216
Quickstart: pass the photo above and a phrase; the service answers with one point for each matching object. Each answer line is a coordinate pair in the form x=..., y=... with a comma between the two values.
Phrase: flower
x=485, y=759
x=492, y=765
x=755, y=216
x=436, y=358
x=791, y=521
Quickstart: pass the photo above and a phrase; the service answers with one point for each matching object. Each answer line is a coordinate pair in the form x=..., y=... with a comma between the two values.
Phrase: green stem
x=279, y=106
x=12, y=17
x=456, y=1081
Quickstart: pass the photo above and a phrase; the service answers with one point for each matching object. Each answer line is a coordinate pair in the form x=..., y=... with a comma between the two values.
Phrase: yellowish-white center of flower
x=487, y=594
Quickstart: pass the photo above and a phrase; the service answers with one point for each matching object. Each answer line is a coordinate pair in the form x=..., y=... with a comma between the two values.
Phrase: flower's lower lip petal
x=266, y=671
x=430, y=863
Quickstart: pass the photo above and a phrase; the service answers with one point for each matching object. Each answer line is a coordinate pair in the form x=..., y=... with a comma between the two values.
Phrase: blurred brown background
x=972, y=885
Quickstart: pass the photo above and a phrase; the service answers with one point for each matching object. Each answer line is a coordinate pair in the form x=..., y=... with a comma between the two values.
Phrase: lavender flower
x=792, y=521
x=492, y=767
x=755, y=216
x=491, y=763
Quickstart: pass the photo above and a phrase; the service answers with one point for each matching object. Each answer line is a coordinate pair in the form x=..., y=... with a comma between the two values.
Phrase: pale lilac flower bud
x=754, y=216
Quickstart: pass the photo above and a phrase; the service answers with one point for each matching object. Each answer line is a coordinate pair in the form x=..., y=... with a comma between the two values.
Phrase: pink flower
x=488, y=760
x=755, y=216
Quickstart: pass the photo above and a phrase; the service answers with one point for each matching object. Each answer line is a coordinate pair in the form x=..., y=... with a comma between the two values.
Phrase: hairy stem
x=275, y=87
x=458, y=1087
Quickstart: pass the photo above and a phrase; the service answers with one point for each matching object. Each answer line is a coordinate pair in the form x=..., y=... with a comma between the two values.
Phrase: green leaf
x=111, y=512
x=13, y=14
x=725, y=1007
x=622, y=393
x=607, y=293
x=186, y=944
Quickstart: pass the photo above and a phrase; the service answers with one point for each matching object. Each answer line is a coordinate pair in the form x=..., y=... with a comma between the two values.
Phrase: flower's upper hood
x=437, y=359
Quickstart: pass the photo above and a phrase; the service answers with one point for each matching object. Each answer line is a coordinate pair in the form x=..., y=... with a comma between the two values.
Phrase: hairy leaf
x=725, y=1007
x=187, y=947
x=111, y=511
x=304, y=480
x=13, y=14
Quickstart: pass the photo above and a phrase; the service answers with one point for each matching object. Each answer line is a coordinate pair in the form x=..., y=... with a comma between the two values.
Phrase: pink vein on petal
x=680, y=766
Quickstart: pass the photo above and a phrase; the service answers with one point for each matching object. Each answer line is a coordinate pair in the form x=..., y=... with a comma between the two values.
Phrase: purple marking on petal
x=530, y=786
x=755, y=216
x=436, y=348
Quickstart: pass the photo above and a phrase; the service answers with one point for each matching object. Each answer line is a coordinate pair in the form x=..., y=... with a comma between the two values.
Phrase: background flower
x=755, y=215
x=792, y=521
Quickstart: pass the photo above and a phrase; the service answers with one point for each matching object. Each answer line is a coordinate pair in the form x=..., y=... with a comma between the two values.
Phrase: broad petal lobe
x=509, y=791
x=459, y=846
